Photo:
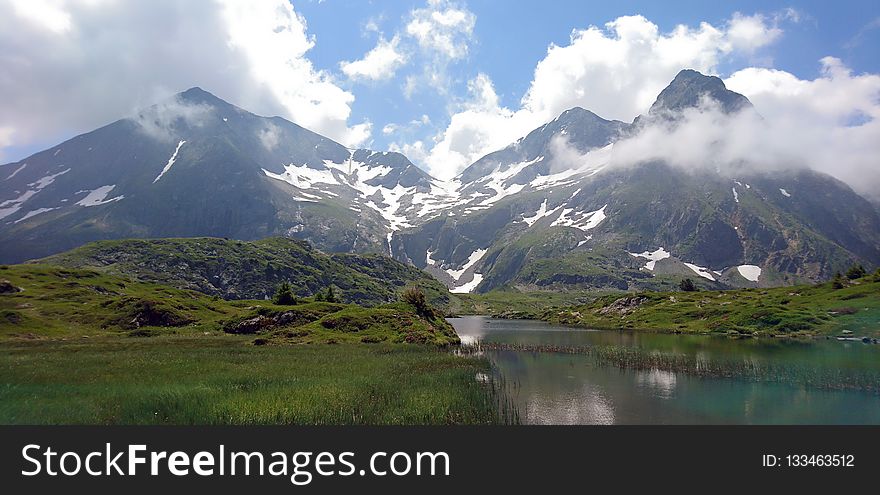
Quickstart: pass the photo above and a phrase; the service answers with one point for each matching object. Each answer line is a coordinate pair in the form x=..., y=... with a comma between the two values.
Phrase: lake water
x=554, y=388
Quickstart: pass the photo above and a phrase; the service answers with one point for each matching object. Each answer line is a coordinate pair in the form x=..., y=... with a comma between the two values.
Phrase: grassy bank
x=508, y=303
x=805, y=310
x=226, y=380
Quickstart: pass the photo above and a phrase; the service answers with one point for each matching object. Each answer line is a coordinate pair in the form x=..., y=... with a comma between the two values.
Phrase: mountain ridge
x=549, y=211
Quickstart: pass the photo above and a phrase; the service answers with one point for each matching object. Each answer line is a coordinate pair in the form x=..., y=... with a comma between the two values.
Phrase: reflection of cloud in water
x=662, y=382
x=587, y=405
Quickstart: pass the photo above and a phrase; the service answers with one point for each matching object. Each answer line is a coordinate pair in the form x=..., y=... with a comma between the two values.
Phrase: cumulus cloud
x=72, y=65
x=160, y=120
x=378, y=64
x=442, y=27
x=829, y=124
x=443, y=32
x=616, y=71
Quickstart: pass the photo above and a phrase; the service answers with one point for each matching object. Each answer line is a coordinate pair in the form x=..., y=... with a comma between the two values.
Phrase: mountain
x=252, y=270
x=195, y=165
x=550, y=212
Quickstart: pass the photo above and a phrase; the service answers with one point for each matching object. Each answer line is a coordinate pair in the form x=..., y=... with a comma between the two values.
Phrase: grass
x=509, y=303
x=78, y=346
x=805, y=310
x=56, y=302
x=225, y=380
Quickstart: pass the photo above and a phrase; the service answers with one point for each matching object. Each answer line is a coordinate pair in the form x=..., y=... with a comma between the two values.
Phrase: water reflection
x=553, y=388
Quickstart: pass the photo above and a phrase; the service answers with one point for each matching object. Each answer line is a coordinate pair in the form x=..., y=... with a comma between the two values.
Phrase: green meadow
x=84, y=347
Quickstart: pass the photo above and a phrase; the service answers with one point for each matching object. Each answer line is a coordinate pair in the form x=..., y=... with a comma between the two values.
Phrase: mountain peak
x=198, y=95
x=690, y=86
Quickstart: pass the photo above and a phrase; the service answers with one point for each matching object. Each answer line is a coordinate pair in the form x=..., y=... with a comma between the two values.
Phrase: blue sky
x=464, y=77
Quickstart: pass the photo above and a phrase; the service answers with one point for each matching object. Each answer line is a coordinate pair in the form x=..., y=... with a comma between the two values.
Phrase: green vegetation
x=509, y=303
x=284, y=295
x=233, y=269
x=856, y=271
x=687, y=285
x=82, y=346
x=224, y=380
x=792, y=311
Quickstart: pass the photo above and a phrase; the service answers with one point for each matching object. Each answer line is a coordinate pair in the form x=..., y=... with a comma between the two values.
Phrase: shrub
x=330, y=297
x=687, y=285
x=837, y=281
x=284, y=295
x=855, y=271
x=415, y=297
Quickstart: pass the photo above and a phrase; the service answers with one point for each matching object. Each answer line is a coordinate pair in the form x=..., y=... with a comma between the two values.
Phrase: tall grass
x=224, y=380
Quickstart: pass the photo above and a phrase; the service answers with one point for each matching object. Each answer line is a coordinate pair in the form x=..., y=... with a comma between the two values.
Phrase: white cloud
x=270, y=137
x=829, y=124
x=159, y=120
x=378, y=64
x=442, y=27
x=443, y=31
x=616, y=71
x=47, y=14
x=73, y=65
x=749, y=33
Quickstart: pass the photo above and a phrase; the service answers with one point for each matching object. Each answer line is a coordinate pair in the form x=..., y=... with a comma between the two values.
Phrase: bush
x=837, y=281
x=687, y=285
x=416, y=298
x=330, y=297
x=855, y=271
x=284, y=295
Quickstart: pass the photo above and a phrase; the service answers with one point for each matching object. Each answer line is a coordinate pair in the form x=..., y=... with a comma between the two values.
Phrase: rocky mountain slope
x=252, y=270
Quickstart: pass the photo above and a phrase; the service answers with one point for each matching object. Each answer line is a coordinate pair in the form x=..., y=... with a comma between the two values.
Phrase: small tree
x=687, y=285
x=330, y=297
x=856, y=271
x=837, y=281
x=284, y=295
x=319, y=296
x=415, y=297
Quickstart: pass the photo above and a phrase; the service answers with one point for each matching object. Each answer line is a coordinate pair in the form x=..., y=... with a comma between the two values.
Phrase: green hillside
x=234, y=269
x=804, y=310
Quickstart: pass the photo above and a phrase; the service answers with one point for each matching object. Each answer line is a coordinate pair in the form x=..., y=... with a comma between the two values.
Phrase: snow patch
x=11, y=206
x=539, y=214
x=749, y=272
x=33, y=213
x=735, y=194
x=653, y=257
x=699, y=270
x=96, y=196
x=468, y=287
x=785, y=193
x=580, y=220
x=19, y=169
x=170, y=162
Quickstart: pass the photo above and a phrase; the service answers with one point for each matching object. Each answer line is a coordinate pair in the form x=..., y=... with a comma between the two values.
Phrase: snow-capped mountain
x=196, y=165
x=549, y=210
